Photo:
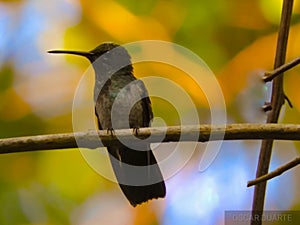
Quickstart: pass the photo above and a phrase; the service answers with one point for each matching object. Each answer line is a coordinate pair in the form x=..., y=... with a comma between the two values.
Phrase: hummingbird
x=122, y=102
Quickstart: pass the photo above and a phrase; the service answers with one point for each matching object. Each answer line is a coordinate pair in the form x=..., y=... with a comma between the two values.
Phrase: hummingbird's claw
x=111, y=131
x=136, y=130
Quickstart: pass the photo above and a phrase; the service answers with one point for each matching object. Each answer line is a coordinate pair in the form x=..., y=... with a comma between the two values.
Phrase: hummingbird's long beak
x=85, y=54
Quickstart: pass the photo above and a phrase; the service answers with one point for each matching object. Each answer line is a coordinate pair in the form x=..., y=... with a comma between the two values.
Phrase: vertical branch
x=276, y=103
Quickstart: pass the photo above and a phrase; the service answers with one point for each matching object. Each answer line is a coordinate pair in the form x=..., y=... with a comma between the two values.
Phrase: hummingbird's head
x=106, y=48
x=112, y=57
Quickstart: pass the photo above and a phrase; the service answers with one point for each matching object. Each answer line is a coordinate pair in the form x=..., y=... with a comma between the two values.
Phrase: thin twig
x=288, y=101
x=276, y=102
x=276, y=172
x=203, y=133
x=270, y=75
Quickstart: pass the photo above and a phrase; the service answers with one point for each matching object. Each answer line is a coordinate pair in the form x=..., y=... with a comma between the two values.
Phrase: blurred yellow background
x=236, y=39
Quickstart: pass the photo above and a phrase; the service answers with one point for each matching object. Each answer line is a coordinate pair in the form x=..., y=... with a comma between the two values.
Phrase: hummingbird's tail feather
x=137, y=173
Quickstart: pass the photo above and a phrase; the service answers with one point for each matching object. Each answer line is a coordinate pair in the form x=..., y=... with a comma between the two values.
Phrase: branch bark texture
x=91, y=139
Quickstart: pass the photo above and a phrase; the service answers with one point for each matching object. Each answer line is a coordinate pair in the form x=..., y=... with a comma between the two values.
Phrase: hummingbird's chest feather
x=119, y=105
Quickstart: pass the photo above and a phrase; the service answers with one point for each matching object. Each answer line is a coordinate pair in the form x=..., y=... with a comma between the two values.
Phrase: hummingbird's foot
x=136, y=130
x=111, y=131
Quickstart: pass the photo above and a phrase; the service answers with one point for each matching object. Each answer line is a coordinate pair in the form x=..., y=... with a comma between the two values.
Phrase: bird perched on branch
x=122, y=101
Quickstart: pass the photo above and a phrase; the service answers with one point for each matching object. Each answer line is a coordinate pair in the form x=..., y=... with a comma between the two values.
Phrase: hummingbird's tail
x=137, y=173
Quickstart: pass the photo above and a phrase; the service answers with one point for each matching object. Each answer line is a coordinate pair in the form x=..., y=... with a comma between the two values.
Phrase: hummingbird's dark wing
x=139, y=164
x=146, y=103
x=134, y=165
x=97, y=119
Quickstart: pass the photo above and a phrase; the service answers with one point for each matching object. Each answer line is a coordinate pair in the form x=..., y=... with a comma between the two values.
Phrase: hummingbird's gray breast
x=122, y=105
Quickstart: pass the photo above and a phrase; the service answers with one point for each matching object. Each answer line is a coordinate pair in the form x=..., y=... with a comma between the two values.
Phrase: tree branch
x=270, y=75
x=275, y=173
x=90, y=139
x=276, y=103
